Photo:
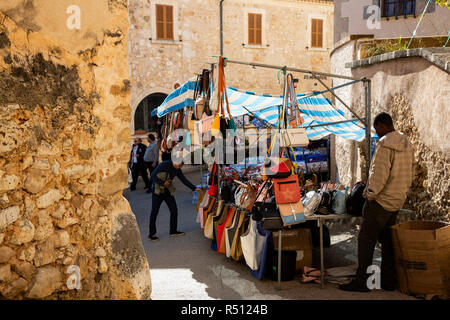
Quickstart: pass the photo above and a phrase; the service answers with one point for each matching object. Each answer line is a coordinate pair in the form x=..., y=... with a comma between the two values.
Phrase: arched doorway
x=143, y=121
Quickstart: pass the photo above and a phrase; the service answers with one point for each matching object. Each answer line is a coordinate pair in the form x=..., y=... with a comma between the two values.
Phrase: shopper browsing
x=163, y=191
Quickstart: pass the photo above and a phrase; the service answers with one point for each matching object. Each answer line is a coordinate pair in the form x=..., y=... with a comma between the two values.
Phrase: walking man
x=151, y=157
x=137, y=164
x=390, y=177
x=163, y=191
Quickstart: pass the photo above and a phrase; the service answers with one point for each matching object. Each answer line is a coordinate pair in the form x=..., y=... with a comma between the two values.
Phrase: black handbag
x=271, y=218
x=225, y=193
x=326, y=201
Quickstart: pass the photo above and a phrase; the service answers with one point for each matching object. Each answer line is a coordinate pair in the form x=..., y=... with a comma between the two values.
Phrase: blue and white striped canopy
x=178, y=99
x=315, y=110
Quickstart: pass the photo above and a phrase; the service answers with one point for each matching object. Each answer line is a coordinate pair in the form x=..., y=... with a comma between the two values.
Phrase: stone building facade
x=286, y=39
x=66, y=232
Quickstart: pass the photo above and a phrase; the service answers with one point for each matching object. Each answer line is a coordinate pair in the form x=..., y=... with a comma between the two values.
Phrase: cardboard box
x=422, y=254
x=296, y=240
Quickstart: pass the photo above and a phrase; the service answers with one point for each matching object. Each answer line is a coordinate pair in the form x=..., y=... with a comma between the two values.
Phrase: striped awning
x=178, y=99
x=316, y=110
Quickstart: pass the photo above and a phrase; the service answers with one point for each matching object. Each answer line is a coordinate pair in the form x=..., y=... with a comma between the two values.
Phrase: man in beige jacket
x=390, y=176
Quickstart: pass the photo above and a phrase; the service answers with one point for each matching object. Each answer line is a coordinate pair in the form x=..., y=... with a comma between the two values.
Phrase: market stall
x=246, y=204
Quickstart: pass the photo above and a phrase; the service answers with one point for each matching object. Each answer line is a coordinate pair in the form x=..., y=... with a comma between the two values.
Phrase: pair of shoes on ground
x=174, y=234
x=355, y=286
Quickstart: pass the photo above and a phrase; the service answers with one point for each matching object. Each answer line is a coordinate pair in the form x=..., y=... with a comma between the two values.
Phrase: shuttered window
x=317, y=33
x=164, y=22
x=254, y=28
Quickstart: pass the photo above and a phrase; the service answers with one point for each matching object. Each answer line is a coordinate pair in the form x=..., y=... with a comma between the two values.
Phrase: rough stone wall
x=415, y=92
x=64, y=133
x=286, y=34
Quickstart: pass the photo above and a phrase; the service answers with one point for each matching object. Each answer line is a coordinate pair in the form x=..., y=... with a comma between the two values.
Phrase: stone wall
x=415, y=92
x=64, y=133
x=286, y=41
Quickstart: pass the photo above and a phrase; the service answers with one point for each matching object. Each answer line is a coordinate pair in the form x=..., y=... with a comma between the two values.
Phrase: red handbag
x=287, y=190
x=213, y=189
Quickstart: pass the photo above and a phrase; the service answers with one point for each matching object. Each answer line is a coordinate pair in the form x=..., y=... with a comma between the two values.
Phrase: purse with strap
x=294, y=137
x=213, y=189
x=287, y=190
x=292, y=213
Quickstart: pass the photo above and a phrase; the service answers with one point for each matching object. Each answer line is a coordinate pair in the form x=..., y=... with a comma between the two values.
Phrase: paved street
x=186, y=268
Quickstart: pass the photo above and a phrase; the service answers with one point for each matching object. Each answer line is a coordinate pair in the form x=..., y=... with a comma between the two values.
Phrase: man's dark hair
x=383, y=118
x=151, y=137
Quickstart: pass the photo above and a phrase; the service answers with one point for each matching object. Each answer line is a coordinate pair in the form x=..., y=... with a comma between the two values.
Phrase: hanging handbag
x=292, y=213
x=252, y=243
x=215, y=127
x=287, y=190
x=221, y=246
x=213, y=189
x=277, y=167
x=230, y=232
x=295, y=137
x=237, y=253
x=271, y=219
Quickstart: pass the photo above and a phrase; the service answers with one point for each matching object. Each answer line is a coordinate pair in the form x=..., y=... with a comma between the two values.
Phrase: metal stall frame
x=366, y=121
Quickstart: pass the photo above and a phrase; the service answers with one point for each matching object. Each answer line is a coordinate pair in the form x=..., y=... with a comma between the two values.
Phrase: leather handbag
x=236, y=248
x=237, y=254
x=209, y=225
x=230, y=232
x=215, y=127
x=208, y=209
x=213, y=189
x=271, y=218
x=245, y=196
x=295, y=137
x=287, y=190
x=292, y=213
x=199, y=108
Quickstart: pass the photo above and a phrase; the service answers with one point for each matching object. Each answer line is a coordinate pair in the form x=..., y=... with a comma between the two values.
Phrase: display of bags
x=292, y=213
x=287, y=190
x=295, y=137
x=252, y=243
x=355, y=200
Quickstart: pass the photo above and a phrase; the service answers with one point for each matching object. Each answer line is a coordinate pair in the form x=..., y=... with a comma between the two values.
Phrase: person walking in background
x=163, y=191
x=390, y=176
x=137, y=164
x=151, y=157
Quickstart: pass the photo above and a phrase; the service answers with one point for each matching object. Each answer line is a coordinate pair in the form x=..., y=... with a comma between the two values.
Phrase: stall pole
x=221, y=27
x=367, y=99
x=279, y=260
x=322, y=266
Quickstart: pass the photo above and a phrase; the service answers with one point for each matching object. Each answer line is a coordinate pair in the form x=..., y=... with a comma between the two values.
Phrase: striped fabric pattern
x=178, y=99
x=315, y=110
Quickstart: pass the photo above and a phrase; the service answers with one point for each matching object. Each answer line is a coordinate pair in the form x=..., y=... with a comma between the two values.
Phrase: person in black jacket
x=137, y=164
x=163, y=191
